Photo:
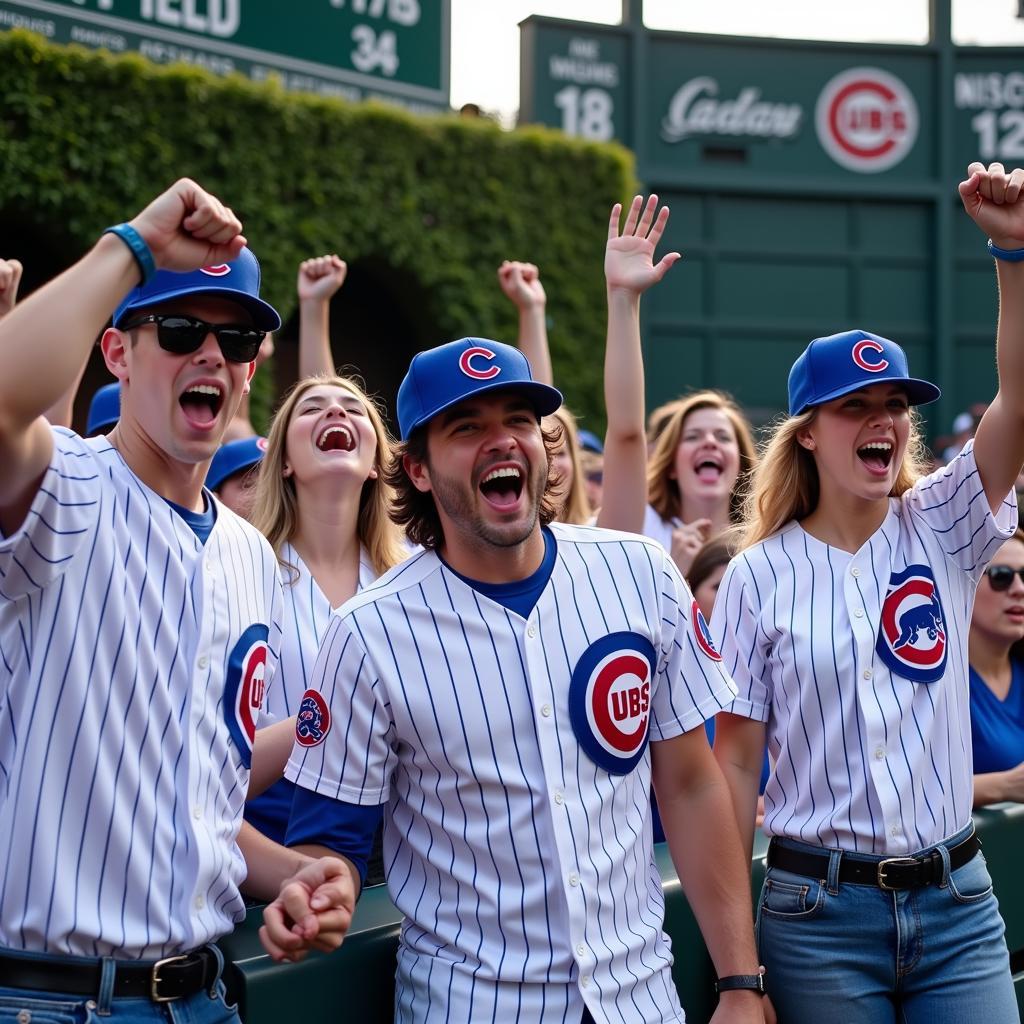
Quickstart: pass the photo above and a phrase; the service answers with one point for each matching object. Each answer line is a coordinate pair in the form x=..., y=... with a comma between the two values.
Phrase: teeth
x=883, y=446
x=335, y=429
x=203, y=389
x=496, y=474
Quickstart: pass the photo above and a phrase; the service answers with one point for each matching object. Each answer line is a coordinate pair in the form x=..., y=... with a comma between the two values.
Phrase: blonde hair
x=662, y=488
x=275, y=508
x=575, y=509
x=785, y=484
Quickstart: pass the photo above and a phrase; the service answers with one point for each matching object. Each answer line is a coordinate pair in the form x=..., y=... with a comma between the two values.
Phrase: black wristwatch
x=753, y=982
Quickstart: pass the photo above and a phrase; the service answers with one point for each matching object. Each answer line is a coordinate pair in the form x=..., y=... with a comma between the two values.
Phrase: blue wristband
x=137, y=244
x=1010, y=255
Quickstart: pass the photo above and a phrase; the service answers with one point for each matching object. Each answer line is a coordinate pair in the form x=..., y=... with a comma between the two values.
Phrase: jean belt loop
x=108, y=973
x=219, y=956
x=835, y=858
x=943, y=851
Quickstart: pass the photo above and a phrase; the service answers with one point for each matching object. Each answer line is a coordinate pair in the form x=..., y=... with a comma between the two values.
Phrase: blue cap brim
x=264, y=316
x=919, y=392
x=545, y=400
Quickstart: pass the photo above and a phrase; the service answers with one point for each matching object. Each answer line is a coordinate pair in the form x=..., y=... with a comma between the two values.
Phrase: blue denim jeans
x=863, y=955
x=27, y=1006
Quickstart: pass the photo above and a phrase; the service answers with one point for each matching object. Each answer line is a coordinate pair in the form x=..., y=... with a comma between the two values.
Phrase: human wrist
x=1009, y=250
x=130, y=237
x=751, y=984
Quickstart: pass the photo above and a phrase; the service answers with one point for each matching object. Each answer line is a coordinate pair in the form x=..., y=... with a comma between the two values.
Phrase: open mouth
x=709, y=470
x=336, y=438
x=202, y=403
x=876, y=455
x=502, y=486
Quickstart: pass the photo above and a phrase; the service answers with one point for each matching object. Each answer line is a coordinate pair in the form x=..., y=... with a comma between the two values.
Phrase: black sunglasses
x=1001, y=576
x=183, y=335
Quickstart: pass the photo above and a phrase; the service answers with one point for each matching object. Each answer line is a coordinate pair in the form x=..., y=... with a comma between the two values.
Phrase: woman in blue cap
x=844, y=622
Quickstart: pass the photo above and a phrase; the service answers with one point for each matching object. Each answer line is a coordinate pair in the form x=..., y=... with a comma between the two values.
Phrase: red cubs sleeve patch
x=313, y=722
x=702, y=634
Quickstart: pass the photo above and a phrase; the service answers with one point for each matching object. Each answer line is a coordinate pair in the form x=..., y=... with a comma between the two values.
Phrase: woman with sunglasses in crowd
x=996, y=654
x=843, y=621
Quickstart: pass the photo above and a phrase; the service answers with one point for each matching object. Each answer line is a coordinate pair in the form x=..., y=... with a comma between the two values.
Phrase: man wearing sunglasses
x=138, y=631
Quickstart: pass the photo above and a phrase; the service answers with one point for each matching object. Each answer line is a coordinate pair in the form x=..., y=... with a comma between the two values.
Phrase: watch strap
x=732, y=982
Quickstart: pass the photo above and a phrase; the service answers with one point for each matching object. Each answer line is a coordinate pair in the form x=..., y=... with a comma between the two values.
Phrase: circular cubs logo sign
x=866, y=120
x=702, y=634
x=313, y=721
x=245, y=687
x=216, y=269
x=912, y=634
x=610, y=700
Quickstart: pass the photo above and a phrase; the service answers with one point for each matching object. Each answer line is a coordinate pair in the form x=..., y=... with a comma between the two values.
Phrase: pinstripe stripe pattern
x=865, y=759
x=121, y=789
x=525, y=871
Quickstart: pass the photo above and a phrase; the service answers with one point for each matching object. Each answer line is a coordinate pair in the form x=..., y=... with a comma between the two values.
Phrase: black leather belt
x=884, y=872
x=162, y=981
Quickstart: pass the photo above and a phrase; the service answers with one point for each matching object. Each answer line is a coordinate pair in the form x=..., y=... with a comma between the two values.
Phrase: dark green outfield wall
x=423, y=210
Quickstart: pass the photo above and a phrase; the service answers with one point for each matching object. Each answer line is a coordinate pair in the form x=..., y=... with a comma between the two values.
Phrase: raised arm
x=992, y=198
x=55, y=327
x=521, y=283
x=629, y=270
x=319, y=278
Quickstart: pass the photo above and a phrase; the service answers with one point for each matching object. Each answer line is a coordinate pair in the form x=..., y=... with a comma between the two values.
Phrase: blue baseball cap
x=590, y=442
x=841, y=363
x=444, y=376
x=238, y=281
x=233, y=457
x=104, y=409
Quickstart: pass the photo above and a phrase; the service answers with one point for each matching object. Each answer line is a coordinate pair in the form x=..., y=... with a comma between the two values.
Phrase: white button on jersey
x=835, y=688
x=531, y=631
x=449, y=714
x=109, y=738
x=203, y=661
x=574, y=879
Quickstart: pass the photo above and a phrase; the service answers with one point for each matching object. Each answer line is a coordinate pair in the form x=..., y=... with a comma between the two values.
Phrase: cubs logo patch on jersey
x=912, y=633
x=244, y=688
x=610, y=700
x=313, y=721
x=702, y=634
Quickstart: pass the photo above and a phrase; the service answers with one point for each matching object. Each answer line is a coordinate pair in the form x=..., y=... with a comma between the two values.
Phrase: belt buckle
x=890, y=862
x=155, y=979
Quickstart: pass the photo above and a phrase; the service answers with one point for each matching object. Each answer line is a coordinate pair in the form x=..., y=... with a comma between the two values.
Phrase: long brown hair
x=785, y=484
x=415, y=510
x=662, y=488
x=575, y=508
x=275, y=509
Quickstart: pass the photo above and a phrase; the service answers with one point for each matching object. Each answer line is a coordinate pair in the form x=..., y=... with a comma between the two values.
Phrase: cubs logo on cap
x=912, y=632
x=610, y=700
x=238, y=281
x=245, y=687
x=834, y=366
x=702, y=634
x=444, y=376
x=313, y=721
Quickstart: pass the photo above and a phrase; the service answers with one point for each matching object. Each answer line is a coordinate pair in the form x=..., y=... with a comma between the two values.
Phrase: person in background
x=104, y=409
x=234, y=472
x=697, y=476
x=571, y=486
x=996, y=656
x=592, y=465
x=318, y=280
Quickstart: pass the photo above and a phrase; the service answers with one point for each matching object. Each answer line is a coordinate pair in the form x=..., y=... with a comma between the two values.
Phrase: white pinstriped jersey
x=858, y=663
x=304, y=621
x=514, y=760
x=132, y=661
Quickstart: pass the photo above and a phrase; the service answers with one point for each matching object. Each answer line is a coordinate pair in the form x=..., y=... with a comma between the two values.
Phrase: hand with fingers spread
x=629, y=257
x=10, y=278
x=991, y=197
x=312, y=911
x=521, y=283
x=187, y=227
x=687, y=540
x=320, y=277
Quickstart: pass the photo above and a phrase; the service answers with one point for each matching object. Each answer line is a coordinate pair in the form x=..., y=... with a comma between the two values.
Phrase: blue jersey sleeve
x=345, y=828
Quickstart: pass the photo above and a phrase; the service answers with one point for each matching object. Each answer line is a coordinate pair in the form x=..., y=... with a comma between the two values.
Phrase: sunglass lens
x=180, y=335
x=1000, y=576
x=238, y=344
